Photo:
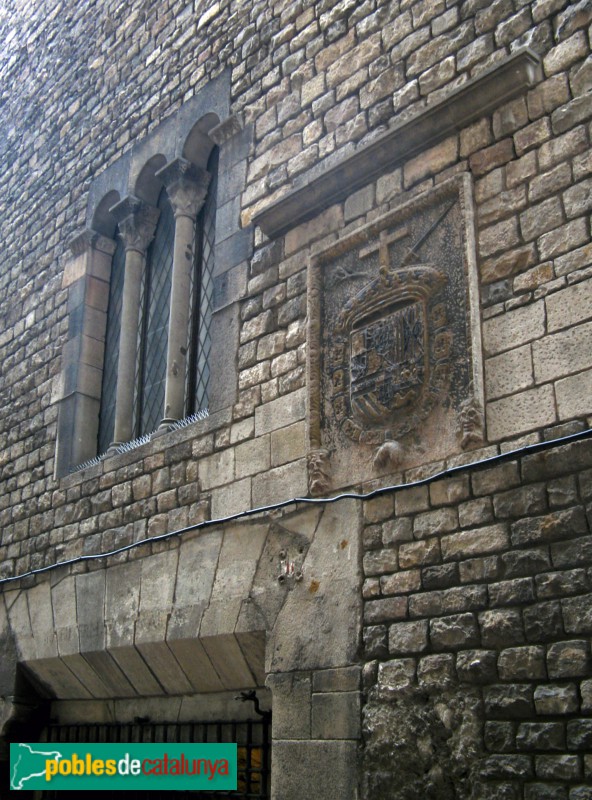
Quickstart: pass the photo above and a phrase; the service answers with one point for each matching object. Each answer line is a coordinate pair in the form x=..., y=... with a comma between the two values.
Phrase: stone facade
x=427, y=635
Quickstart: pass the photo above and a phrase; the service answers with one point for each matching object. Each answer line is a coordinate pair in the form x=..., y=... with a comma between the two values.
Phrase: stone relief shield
x=394, y=340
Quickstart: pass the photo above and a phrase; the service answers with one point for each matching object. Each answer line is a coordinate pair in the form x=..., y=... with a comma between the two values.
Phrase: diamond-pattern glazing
x=154, y=329
x=111, y=357
x=199, y=362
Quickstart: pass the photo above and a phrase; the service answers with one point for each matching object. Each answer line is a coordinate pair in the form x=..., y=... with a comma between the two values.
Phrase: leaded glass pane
x=199, y=363
x=111, y=357
x=156, y=295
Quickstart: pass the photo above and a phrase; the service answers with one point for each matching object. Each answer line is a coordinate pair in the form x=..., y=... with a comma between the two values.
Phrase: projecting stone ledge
x=465, y=105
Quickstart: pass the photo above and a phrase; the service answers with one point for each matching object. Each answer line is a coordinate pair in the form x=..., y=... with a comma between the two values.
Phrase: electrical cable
x=445, y=473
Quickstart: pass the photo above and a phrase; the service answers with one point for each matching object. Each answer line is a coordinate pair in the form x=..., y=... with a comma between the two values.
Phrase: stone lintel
x=468, y=103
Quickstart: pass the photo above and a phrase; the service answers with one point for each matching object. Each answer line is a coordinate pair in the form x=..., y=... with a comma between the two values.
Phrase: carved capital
x=186, y=185
x=89, y=240
x=136, y=221
x=225, y=130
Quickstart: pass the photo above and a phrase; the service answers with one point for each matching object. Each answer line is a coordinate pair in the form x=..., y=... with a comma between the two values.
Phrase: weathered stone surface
x=393, y=763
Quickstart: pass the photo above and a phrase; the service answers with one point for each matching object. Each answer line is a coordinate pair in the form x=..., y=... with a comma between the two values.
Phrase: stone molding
x=476, y=98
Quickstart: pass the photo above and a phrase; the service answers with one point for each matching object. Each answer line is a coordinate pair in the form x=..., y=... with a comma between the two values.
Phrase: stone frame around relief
x=395, y=374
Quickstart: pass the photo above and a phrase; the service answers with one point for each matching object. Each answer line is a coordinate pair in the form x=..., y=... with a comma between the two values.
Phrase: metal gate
x=252, y=738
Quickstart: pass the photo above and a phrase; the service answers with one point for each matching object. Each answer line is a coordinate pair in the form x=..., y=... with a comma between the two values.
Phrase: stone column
x=137, y=223
x=186, y=186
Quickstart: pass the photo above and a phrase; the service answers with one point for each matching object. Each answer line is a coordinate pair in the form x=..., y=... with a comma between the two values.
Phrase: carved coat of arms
x=392, y=334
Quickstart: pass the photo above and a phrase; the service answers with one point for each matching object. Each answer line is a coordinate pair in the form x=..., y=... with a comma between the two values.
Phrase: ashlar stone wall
x=476, y=652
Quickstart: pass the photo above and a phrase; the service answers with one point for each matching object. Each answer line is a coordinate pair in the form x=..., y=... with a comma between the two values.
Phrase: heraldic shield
x=391, y=334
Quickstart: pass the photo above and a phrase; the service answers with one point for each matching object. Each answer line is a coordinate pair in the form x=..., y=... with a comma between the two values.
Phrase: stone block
x=477, y=666
x=570, y=659
x=543, y=622
x=446, y=601
x=509, y=372
x=401, y=582
x=481, y=541
x=557, y=525
x=387, y=610
x=522, y=663
x=431, y=162
x=495, y=479
x=567, y=308
x=292, y=694
x=475, y=512
x=431, y=523
x=554, y=699
x=252, y=457
x=409, y=501
x=563, y=353
x=573, y=395
x=397, y=530
x=280, y=413
x=398, y=673
x=577, y=614
x=436, y=671
x=519, y=563
x=375, y=641
x=514, y=328
x=288, y=444
x=558, y=768
x=579, y=734
x=540, y=736
x=378, y=562
x=506, y=766
x=408, y=637
x=563, y=239
x=499, y=737
x=281, y=483
x=336, y=715
x=520, y=502
x=379, y=508
x=512, y=700
x=345, y=679
x=217, y=469
x=514, y=592
x=560, y=584
x=586, y=690
x=327, y=769
x=455, y=632
x=541, y=218
x=417, y=554
x=449, y=491
x=440, y=576
x=501, y=628
x=521, y=412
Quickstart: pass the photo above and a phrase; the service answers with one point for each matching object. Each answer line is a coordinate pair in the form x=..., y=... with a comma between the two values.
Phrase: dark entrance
x=252, y=738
